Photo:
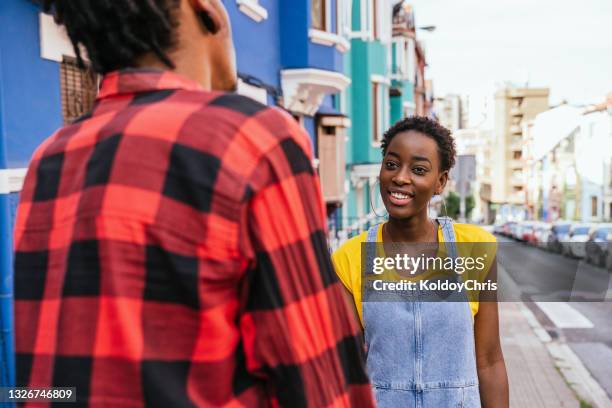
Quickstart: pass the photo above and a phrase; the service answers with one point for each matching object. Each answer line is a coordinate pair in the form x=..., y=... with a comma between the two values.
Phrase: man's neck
x=183, y=65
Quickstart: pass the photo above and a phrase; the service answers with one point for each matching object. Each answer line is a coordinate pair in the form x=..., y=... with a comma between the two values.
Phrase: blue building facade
x=30, y=110
x=292, y=55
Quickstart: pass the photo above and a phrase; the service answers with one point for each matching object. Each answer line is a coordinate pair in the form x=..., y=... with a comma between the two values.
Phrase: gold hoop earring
x=372, y=189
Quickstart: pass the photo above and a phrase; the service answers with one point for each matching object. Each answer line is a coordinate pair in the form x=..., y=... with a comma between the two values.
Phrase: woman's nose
x=401, y=178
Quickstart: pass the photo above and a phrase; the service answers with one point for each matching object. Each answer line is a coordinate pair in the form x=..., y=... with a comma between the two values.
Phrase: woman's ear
x=442, y=179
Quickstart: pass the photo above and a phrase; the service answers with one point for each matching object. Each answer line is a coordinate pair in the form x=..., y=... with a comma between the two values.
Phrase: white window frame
x=253, y=9
x=345, y=14
x=328, y=37
x=380, y=112
x=383, y=19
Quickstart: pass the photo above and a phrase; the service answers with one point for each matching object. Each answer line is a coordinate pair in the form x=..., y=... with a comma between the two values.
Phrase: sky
x=480, y=44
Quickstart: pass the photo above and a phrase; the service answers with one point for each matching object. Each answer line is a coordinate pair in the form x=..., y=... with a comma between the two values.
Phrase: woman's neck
x=414, y=229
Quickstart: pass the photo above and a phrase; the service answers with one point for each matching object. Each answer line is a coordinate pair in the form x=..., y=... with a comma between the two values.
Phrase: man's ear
x=209, y=14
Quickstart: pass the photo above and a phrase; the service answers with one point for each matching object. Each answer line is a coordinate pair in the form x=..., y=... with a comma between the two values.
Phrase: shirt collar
x=134, y=80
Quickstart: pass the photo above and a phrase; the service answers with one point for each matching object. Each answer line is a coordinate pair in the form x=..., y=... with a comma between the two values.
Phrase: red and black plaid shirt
x=170, y=251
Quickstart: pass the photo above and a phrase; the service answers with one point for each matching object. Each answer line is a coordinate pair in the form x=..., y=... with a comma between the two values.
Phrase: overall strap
x=371, y=247
x=448, y=232
x=372, y=233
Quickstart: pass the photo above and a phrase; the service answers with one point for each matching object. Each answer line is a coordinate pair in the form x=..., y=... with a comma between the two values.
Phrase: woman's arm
x=492, y=374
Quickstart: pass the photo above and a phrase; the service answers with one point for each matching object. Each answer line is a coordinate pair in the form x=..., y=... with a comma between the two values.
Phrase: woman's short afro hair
x=428, y=127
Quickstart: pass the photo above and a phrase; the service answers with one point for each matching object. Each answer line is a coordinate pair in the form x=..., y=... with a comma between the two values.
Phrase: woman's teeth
x=399, y=196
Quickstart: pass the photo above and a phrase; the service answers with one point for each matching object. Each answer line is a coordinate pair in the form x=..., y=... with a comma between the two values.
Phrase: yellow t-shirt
x=347, y=259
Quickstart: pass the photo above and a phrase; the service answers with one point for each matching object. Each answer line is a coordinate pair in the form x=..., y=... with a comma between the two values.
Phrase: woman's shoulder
x=472, y=233
x=352, y=246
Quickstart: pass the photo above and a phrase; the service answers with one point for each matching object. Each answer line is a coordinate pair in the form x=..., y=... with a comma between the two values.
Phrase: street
x=584, y=326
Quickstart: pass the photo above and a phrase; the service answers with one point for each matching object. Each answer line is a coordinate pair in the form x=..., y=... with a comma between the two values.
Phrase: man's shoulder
x=269, y=125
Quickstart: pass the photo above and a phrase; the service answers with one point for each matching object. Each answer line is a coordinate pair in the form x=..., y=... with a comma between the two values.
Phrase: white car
x=542, y=234
x=577, y=238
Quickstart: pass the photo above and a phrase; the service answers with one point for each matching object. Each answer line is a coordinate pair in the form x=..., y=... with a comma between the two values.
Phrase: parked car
x=527, y=232
x=609, y=253
x=596, y=247
x=541, y=235
x=558, y=235
x=576, y=240
x=518, y=231
x=509, y=228
x=498, y=229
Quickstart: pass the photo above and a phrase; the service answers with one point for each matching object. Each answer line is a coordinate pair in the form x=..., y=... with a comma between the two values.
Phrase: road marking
x=564, y=316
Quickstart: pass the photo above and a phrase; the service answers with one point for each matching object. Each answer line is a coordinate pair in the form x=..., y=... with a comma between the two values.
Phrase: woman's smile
x=400, y=198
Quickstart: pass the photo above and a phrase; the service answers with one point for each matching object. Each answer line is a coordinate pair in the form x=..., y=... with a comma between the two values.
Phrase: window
x=516, y=155
x=377, y=15
x=331, y=153
x=380, y=109
x=318, y=14
x=79, y=89
x=404, y=58
x=593, y=206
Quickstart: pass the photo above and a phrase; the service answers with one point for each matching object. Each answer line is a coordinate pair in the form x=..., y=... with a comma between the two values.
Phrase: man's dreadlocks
x=116, y=32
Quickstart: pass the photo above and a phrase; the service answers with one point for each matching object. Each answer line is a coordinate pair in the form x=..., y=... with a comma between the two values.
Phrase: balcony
x=516, y=164
x=517, y=181
x=304, y=89
x=515, y=111
x=516, y=146
x=516, y=129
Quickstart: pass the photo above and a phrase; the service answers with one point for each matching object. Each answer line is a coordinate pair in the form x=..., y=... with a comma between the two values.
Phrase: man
x=170, y=246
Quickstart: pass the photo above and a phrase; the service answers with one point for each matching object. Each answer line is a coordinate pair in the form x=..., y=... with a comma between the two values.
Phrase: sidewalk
x=534, y=379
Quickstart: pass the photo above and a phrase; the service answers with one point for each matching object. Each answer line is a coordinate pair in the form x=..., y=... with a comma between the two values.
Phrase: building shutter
x=79, y=87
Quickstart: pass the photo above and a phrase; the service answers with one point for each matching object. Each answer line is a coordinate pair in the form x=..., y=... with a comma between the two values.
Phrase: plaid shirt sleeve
x=297, y=330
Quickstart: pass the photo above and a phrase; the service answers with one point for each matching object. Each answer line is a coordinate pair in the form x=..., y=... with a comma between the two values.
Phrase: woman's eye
x=390, y=165
x=419, y=170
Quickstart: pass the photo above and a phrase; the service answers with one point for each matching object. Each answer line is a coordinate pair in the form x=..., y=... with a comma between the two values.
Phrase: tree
x=453, y=203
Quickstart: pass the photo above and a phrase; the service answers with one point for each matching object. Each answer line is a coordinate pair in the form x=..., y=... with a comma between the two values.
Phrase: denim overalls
x=421, y=353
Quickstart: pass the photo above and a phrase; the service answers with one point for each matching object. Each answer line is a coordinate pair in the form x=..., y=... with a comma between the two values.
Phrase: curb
x=569, y=364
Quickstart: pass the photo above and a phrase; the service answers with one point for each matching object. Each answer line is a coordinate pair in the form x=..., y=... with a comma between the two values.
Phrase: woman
x=423, y=353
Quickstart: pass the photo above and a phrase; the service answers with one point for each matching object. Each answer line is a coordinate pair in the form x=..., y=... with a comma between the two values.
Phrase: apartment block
x=513, y=107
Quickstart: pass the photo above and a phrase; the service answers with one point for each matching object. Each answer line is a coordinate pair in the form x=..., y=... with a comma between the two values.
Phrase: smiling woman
x=418, y=154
